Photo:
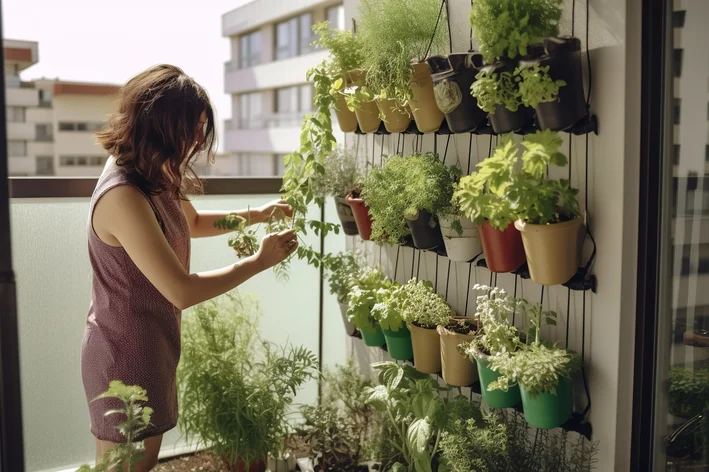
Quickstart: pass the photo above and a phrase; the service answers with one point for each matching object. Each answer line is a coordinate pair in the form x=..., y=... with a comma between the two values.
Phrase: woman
x=139, y=233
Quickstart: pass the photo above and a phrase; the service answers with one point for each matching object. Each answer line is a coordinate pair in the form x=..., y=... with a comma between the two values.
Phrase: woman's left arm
x=201, y=223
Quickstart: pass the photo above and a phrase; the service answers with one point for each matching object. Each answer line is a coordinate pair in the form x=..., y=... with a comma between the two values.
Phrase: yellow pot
x=396, y=118
x=346, y=118
x=426, y=113
x=553, y=251
x=427, y=349
x=458, y=371
x=368, y=113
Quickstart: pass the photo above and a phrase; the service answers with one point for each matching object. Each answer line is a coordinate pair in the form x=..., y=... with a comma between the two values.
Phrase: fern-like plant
x=536, y=85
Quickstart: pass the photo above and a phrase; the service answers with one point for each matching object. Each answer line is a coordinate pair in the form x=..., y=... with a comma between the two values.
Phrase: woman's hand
x=276, y=247
x=263, y=213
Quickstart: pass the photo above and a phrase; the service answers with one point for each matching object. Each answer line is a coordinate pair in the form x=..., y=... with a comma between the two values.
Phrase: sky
x=110, y=41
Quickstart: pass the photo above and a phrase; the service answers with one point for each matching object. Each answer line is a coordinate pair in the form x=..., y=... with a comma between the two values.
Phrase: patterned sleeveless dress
x=132, y=332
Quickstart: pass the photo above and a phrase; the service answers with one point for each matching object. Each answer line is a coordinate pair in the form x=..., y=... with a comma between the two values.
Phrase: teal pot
x=545, y=410
x=494, y=398
x=399, y=343
x=373, y=337
x=424, y=234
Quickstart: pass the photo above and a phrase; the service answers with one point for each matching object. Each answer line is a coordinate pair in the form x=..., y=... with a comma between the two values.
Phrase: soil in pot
x=426, y=113
x=425, y=236
x=373, y=337
x=427, y=348
x=504, y=251
x=458, y=370
x=546, y=410
x=553, y=250
x=399, y=343
x=346, y=118
x=396, y=118
x=344, y=212
x=350, y=328
x=452, y=78
x=368, y=113
x=460, y=247
x=495, y=398
x=360, y=212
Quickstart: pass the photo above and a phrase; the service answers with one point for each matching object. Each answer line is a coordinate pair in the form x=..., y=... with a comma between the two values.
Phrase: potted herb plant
x=396, y=117
x=549, y=214
x=388, y=312
x=360, y=99
x=424, y=310
x=343, y=271
x=460, y=234
x=397, y=37
x=367, y=291
x=544, y=374
x=340, y=178
x=458, y=370
x=404, y=196
x=482, y=198
x=236, y=389
x=497, y=93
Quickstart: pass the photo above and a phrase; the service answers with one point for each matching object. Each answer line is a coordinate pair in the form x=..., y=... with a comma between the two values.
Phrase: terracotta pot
x=553, y=251
x=239, y=466
x=458, y=370
x=350, y=329
x=346, y=118
x=426, y=113
x=460, y=247
x=344, y=212
x=427, y=349
x=504, y=251
x=360, y=211
x=368, y=113
x=396, y=118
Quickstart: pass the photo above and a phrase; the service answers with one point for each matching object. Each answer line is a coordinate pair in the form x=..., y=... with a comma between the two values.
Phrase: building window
x=675, y=154
x=82, y=161
x=677, y=110
x=678, y=18
x=254, y=165
x=291, y=104
x=12, y=81
x=17, y=148
x=293, y=36
x=706, y=153
x=45, y=98
x=336, y=17
x=45, y=165
x=677, y=55
x=15, y=114
x=250, y=49
x=279, y=167
x=250, y=115
x=44, y=132
x=81, y=126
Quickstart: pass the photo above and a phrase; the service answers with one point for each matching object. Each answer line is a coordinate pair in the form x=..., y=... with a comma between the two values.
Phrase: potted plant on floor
x=482, y=198
x=367, y=290
x=544, y=373
x=345, y=54
x=397, y=37
x=404, y=196
x=549, y=214
x=458, y=370
x=340, y=178
x=423, y=310
x=343, y=272
x=236, y=389
x=388, y=313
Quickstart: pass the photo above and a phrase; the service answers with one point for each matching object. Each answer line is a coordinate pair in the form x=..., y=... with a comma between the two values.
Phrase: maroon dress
x=132, y=332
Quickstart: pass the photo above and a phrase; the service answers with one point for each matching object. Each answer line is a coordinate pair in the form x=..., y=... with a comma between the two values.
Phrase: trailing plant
x=341, y=175
x=423, y=306
x=401, y=188
x=343, y=272
x=496, y=88
x=235, y=388
x=688, y=391
x=493, y=311
x=536, y=85
x=137, y=419
x=505, y=28
x=395, y=34
x=368, y=289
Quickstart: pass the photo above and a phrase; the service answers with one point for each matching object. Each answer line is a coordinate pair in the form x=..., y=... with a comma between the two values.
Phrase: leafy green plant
x=236, y=389
x=493, y=311
x=388, y=309
x=477, y=444
x=423, y=306
x=137, y=419
x=536, y=85
x=341, y=175
x=688, y=391
x=344, y=269
x=401, y=188
x=370, y=288
x=496, y=88
x=395, y=34
x=345, y=51
x=506, y=28
x=358, y=95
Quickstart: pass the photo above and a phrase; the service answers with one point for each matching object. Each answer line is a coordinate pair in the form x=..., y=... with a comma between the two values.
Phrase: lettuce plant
x=496, y=88
x=536, y=85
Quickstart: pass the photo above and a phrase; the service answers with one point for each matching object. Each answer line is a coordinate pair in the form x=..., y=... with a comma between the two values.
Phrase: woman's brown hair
x=156, y=132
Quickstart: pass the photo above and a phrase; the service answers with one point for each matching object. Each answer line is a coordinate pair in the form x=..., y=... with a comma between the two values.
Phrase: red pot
x=360, y=211
x=240, y=466
x=504, y=251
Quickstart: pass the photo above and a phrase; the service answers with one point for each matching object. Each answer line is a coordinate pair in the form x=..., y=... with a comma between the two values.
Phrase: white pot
x=349, y=327
x=447, y=221
x=460, y=247
x=306, y=465
x=281, y=465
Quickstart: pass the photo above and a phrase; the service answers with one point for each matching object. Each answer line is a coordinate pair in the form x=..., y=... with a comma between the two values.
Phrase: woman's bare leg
x=150, y=455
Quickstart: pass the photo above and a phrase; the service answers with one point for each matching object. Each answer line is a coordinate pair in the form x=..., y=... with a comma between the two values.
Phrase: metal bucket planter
x=360, y=211
x=350, y=328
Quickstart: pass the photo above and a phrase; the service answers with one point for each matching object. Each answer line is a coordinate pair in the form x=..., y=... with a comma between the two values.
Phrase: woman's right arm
x=123, y=217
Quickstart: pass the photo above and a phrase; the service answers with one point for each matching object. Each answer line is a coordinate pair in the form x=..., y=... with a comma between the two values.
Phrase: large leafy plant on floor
x=235, y=388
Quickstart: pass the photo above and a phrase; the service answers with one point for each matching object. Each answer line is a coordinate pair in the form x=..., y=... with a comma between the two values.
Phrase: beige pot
x=427, y=349
x=396, y=118
x=346, y=118
x=426, y=113
x=553, y=251
x=368, y=113
x=458, y=371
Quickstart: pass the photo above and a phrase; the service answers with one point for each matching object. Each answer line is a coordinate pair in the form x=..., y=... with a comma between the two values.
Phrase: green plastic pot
x=495, y=398
x=399, y=343
x=373, y=337
x=548, y=411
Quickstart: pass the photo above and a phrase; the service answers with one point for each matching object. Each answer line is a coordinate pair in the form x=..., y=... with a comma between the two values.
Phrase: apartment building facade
x=265, y=76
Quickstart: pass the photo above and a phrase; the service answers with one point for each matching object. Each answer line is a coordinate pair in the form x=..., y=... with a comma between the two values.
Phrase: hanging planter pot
x=494, y=398
x=399, y=343
x=563, y=57
x=240, y=466
x=344, y=212
x=504, y=120
x=458, y=370
x=425, y=236
x=460, y=247
x=423, y=104
x=360, y=212
x=546, y=410
x=368, y=112
x=281, y=465
x=452, y=78
x=504, y=251
x=396, y=118
x=373, y=337
x=346, y=118
x=350, y=328
x=427, y=349
x=552, y=251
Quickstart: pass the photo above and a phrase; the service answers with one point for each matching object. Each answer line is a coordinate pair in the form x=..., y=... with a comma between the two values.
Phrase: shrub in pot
x=688, y=391
x=403, y=197
x=341, y=176
x=388, y=314
x=343, y=272
x=235, y=388
x=481, y=197
x=397, y=37
x=458, y=370
x=368, y=290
